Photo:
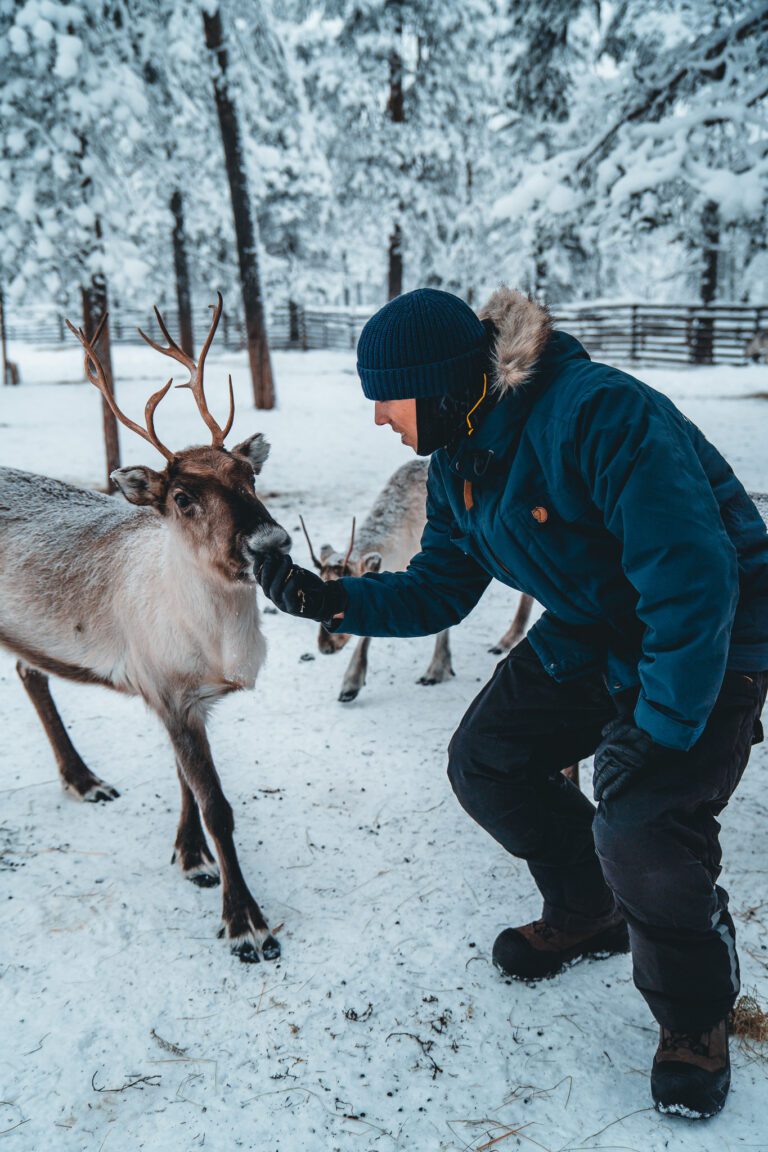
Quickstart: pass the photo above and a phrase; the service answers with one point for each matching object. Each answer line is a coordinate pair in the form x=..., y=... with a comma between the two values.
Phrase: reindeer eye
x=182, y=500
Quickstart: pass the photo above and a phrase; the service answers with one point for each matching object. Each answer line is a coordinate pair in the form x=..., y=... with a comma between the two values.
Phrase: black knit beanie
x=427, y=345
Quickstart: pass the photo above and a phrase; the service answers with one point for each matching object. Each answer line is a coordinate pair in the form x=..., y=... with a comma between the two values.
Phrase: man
x=576, y=483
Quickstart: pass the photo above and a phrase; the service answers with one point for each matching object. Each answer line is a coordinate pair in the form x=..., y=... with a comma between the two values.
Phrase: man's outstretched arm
x=440, y=586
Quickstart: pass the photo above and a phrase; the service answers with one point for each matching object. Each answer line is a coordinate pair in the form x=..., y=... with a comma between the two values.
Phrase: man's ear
x=372, y=562
x=140, y=485
x=255, y=449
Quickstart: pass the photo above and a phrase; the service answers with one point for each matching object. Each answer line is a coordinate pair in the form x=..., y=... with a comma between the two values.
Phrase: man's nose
x=379, y=416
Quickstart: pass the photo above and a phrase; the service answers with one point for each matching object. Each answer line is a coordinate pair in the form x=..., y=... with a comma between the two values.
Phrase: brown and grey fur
x=386, y=541
x=523, y=327
x=757, y=347
x=154, y=600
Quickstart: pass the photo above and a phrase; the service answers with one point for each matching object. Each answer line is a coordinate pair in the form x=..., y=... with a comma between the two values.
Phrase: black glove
x=624, y=753
x=298, y=591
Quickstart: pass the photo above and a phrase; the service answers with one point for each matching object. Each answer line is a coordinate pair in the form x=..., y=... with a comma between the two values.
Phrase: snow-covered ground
x=127, y=1025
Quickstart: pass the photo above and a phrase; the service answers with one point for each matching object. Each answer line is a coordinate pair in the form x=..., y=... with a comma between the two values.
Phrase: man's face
x=401, y=417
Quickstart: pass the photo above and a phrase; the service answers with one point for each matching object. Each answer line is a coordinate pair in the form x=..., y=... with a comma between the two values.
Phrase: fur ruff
x=523, y=328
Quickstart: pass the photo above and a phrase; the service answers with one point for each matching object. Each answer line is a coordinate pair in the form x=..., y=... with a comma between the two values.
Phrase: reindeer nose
x=270, y=537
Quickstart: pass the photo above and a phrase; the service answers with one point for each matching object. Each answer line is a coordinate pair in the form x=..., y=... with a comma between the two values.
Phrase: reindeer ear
x=325, y=552
x=255, y=449
x=140, y=485
x=372, y=562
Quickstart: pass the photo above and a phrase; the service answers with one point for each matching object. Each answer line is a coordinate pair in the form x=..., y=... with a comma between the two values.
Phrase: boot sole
x=686, y=1113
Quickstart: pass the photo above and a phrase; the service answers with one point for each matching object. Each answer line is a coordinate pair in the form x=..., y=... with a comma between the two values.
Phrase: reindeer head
x=206, y=494
x=332, y=565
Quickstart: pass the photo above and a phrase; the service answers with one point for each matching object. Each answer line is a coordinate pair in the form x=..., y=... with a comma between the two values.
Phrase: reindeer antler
x=351, y=545
x=314, y=558
x=94, y=370
x=196, y=371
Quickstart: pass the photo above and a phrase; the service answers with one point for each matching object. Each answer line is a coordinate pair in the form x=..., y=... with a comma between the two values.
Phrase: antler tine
x=149, y=412
x=351, y=544
x=197, y=387
x=94, y=370
x=173, y=349
x=315, y=560
x=227, y=427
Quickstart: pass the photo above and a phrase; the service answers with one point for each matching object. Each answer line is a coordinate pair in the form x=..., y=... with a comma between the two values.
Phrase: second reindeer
x=386, y=541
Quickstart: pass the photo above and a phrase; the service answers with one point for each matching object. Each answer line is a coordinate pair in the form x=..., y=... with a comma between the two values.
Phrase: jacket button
x=539, y=514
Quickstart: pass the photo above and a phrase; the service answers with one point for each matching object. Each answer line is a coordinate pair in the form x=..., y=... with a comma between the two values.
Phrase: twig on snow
x=167, y=1045
x=353, y=1014
x=18, y=1124
x=426, y=1048
x=139, y=1082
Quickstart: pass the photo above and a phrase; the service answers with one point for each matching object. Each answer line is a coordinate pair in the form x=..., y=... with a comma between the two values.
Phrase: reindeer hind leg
x=440, y=668
x=191, y=851
x=357, y=670
x=516, y=630
x=76, y=776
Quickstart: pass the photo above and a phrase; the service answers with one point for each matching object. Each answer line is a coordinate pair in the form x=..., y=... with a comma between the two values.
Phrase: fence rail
x=624, y=332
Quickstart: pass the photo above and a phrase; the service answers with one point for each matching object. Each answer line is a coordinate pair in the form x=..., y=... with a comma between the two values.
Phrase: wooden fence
x=619, y=333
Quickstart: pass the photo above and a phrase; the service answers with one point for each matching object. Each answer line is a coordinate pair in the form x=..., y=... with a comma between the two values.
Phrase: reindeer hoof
x=246, y=952
x=252, y=945
x=496, y=650
x=199, y=868
x=429, y=681
x=271, y=948
x=348, y=695
x=204, y=879
x=94, y=791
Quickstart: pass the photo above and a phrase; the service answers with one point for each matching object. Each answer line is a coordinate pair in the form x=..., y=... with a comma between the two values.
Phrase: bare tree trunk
x=395, y=279
x=396, y=112
x=704, y=335
x=256, y=333
x=94, y=297
x=3, y=345
x=181, y=268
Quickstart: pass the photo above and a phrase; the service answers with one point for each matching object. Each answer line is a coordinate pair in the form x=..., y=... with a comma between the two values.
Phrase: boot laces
x=697, y=1044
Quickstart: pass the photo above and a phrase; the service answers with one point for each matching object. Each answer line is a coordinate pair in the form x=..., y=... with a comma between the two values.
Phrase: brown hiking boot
x=535, y=951
x=691, y=1072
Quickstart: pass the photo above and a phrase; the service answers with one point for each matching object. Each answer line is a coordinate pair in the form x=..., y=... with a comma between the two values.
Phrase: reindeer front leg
x=243, y=921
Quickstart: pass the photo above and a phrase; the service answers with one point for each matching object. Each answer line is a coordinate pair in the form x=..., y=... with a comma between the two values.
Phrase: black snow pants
x=653, y=850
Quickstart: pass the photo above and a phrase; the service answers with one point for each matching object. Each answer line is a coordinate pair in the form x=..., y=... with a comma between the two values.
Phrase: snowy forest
x=339, y=151
x=310, y=160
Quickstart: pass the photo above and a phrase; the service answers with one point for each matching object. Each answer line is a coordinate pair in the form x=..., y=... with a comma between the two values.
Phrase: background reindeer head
x=332, y=565
x=206, y=494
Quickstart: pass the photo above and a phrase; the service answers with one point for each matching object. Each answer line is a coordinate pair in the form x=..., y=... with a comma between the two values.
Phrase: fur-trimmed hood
x=523, y=328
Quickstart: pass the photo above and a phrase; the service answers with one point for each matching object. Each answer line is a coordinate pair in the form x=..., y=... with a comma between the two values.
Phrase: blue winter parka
x=592, y=492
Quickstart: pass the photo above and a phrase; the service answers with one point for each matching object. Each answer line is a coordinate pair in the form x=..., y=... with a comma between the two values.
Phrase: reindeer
x=388, y=538
x=517, y=628
x=155, y=597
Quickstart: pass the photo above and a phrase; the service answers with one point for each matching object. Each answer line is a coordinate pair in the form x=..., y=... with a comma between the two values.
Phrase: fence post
x=293, y=324
x=3, y=345
x=633, y=334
